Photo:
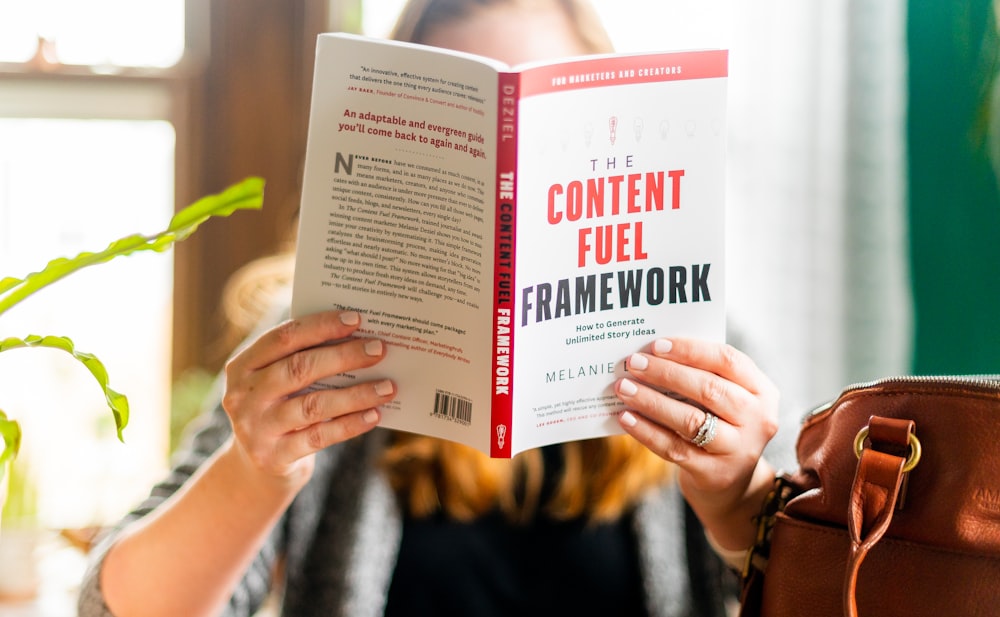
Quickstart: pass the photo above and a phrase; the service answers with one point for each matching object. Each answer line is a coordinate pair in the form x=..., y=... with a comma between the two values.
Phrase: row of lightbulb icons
x=638, y=127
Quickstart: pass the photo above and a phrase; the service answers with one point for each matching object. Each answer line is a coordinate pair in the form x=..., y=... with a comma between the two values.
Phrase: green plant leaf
x=248, y=194
x=244, y=195
x=10, y=432
x=117, y=401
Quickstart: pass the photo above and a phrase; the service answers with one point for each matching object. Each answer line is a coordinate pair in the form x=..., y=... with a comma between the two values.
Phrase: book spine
x=503, y=267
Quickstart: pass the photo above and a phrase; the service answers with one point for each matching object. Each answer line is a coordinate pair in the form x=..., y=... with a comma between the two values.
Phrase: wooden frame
x=245, y=113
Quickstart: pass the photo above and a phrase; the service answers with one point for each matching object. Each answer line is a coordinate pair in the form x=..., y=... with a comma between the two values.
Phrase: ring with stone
x=706, y=432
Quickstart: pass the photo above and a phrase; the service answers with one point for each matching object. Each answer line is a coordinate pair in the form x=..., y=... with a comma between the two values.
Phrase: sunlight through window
x=67, y=186
x=83, y=161
x=99, y=33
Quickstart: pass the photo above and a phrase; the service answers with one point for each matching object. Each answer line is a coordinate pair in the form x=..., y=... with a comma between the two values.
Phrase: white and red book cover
x=513, y=234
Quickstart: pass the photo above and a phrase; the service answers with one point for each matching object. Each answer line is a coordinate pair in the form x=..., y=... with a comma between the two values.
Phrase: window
x=87, y=150
x=103, y=34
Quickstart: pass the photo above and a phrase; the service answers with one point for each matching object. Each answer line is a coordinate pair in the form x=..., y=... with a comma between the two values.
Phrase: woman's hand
x=246, y=485
x=277, y=427
x=724, y=478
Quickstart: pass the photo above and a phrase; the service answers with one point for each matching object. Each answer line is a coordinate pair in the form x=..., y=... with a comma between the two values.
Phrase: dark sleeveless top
x=491, y=567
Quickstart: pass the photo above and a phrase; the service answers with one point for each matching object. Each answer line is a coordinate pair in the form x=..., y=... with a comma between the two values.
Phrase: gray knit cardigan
x=341, y=535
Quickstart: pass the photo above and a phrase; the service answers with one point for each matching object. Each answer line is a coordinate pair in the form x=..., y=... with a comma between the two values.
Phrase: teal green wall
x=954, y=201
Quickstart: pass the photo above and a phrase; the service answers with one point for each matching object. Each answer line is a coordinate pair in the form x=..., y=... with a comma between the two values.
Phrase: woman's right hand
x=246, y=485
x=277, y=428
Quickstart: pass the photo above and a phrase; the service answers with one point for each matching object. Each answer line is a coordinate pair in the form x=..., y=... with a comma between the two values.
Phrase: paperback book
x=512, y=233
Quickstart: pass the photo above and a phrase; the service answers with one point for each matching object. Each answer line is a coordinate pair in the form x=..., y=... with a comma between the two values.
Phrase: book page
x=620, y=229
x=397, y=218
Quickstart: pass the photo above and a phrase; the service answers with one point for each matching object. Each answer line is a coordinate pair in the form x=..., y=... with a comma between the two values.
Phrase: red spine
x=503, y=266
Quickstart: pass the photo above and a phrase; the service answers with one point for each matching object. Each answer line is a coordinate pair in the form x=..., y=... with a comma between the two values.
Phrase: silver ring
x=706, y=432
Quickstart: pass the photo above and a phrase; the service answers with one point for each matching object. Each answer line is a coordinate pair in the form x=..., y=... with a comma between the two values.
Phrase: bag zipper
x=976, y=381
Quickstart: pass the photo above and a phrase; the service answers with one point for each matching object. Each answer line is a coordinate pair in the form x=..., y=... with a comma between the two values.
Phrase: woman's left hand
x=708, y=408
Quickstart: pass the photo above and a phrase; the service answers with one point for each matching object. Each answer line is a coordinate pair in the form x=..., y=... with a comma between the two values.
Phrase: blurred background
x=862, y=222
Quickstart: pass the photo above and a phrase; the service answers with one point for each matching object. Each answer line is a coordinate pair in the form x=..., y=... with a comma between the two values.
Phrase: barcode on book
x=453, y=407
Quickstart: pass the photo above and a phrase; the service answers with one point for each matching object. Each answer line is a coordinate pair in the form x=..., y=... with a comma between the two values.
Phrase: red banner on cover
x=625, y=70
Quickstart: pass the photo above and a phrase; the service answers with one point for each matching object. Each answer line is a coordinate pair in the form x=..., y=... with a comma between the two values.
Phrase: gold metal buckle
x=911, y=460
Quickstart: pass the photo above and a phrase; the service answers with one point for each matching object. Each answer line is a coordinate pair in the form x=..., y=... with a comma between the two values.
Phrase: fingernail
x=373, y=347
x=628, y=419
x=662, y=346
x=628, y=388
x=638, y=362
x=370, y=417
x=383, y=388
x=350, y=318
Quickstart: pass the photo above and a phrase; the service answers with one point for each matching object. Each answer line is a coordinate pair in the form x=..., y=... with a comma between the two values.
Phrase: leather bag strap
x=875, y=493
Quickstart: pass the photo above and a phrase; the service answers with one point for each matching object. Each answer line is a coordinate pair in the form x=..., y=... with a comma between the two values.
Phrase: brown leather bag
x=894, y=510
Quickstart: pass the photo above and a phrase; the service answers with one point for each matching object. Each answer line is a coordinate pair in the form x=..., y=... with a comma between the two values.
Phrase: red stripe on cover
x=503, y=268
x=624, y=70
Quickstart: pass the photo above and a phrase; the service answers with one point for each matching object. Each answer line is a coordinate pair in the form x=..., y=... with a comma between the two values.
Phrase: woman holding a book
x=296, y=492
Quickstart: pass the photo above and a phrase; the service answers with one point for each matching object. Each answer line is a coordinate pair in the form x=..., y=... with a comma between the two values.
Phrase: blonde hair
x=419, y=17
x=599, y=479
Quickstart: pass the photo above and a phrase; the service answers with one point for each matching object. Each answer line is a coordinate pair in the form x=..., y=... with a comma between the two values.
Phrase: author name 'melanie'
x=582, y=371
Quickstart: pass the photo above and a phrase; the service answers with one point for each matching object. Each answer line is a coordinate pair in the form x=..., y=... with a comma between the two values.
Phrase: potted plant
x=247, y=194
